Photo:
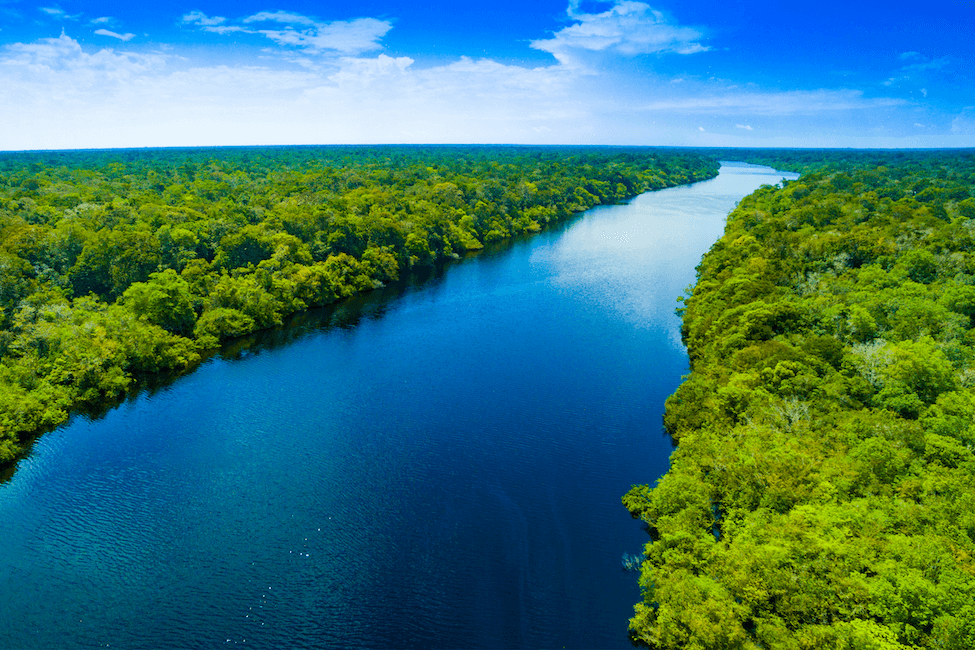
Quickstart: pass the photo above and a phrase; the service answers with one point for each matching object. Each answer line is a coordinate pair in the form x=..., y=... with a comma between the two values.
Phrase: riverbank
x=121, y=265
x=436, y=464
x=822, y=490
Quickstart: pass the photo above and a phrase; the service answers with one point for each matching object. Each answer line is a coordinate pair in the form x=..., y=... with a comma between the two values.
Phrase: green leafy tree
x=164, y=299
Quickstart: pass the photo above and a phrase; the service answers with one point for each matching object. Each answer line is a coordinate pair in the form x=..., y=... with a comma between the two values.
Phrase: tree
x=164, y=300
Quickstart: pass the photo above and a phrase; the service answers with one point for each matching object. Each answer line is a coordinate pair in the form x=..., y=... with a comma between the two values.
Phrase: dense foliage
x=117, y=264
x=822, y=494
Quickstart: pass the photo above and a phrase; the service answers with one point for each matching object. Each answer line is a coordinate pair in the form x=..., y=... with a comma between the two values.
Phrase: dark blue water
x=439, y=466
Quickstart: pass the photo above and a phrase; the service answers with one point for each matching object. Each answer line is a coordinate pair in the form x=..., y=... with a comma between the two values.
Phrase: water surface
x=437, y=466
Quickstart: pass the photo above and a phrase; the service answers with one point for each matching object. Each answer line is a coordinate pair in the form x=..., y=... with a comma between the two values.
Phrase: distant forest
x=822, y=492
x=115, y=265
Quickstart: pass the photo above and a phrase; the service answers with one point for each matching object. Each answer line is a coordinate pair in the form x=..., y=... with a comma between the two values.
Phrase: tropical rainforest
x=822, y=490
x=120, y=265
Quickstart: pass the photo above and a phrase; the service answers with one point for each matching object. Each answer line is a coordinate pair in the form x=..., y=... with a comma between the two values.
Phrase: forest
x=119, y=265
x=822, y=489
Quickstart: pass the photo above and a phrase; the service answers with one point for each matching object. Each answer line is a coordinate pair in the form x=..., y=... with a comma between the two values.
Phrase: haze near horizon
x=694, y=73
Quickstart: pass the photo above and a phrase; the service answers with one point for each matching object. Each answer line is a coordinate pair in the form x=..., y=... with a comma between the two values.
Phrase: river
x=436, y=465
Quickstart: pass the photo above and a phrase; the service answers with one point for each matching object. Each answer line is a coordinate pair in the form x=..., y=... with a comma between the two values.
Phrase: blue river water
x=434, y=465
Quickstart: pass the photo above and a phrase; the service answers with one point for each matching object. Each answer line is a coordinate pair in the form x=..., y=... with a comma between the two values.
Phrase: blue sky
x=689, y=73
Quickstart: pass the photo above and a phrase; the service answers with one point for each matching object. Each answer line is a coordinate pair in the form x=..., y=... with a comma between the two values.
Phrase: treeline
x=121, y=263
x=897, y=163
x=822, y=493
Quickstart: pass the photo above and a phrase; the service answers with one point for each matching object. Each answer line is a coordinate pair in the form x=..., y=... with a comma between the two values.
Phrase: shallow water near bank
x=440, y=466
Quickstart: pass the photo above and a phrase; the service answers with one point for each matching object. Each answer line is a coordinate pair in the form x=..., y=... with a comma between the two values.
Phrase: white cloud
x=58, y=67
x=226, y=29
x=56, y=94
x=280, y=17
x=200, y=18
x=964, y=123
x=213, y=24
x=743, y=126
x=103, y=20
x=701, y=129
x=365, y=71
x=58, y=13
x=345, y=37
x=121, y=37
x=905, y=56
x=795, y=102
x=935, y=64
x=629, y=28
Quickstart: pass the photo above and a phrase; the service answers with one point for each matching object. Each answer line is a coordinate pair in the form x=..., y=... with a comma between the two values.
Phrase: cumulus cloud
x=345, y=37
x=213, y=24
x=201, y=19
x=364, y=72
x=628, y=28
x=56, y=94
x=35, y=65
x=342, y=37
x=121, y=37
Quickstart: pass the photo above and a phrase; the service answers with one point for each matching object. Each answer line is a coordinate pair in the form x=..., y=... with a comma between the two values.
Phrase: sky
x=748, y=73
